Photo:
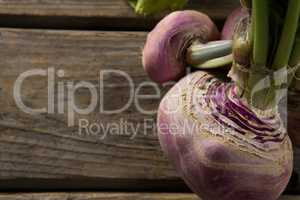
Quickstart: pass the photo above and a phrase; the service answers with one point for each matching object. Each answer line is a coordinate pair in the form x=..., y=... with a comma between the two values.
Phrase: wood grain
x=102, y=8
x=109, y=196
x=45, y=150
x=92, y=14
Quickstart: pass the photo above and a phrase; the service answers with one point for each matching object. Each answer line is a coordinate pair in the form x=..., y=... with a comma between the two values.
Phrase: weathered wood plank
x=48, y=150
x=43, y=146
x=109, y=196
x=102, y=8
x=91, y=14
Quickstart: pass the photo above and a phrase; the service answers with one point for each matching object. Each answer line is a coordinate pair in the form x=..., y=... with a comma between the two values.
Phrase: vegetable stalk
x=295, y=63
x=210, y=55
x=254, y=88
x=265, y=83
x=287, y=40
x=261, y=32
x=151, y=7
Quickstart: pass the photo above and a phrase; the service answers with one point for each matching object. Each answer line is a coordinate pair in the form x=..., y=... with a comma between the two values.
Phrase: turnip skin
x=232, y=20
x=165, y=48
x=218, y=165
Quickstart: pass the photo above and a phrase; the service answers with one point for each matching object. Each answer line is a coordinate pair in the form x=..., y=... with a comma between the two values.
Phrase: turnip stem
x=215, y=63
x=286, y=43
x=259, y=98
x=246, y=3
x=270, y=97
x=295, y=60
x=152, y=7
x=261, y=31
x=198, y=54
x=295, y=56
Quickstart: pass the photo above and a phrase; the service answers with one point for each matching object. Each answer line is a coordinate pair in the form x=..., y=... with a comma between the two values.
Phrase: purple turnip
x=221, y=148
x=232, y=20
x=227, y=140
x=166, y=46
x=237, y=21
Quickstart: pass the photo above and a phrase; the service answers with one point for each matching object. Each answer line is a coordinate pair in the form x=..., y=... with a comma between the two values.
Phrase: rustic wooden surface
x=43, y=146
x=91, y=14
x=43, y=152
x=109, y=196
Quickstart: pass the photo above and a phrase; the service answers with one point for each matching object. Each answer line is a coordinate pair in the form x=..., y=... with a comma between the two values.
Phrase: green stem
x=246, y=3
x=210, y=55
x=295, y=56
x=295, y=60
x=261, y=32
x=152, y=7
x=216, y=62
x=256, y=95
x=286, y=43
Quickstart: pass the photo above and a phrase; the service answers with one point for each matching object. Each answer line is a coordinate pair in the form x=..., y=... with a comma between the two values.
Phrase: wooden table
x=42, y=152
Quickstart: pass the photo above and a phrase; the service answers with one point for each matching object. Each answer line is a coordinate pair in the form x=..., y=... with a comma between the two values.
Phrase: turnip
x=165, y=50
x=221, y=148
x=232, y=20
x=227, y=140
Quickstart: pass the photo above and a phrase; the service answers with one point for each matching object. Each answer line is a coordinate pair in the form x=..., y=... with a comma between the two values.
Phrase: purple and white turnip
x=227, y=140
x=221, y=148
x=166, y=46
x=232, y=20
